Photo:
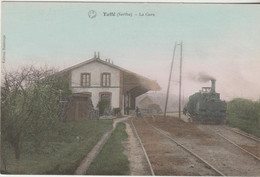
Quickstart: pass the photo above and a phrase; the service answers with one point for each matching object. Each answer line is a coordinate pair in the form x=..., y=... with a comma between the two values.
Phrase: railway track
x=145, y=153
x=161, y=132
x=235, y=144
x=245, y=135
x=220, y=155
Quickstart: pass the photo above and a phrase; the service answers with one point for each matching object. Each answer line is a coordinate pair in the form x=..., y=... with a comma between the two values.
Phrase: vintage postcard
x=97, y=88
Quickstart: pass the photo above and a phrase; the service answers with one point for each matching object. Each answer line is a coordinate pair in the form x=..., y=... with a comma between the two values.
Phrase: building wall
x=95, y=69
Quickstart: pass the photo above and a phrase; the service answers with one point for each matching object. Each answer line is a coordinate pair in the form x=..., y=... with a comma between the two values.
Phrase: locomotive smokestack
x=213, y=86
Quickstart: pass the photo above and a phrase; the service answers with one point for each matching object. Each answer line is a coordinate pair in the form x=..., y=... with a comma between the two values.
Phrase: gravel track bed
x=217, y=151
x=246, y=143
x=227, y=158
x=167, y=158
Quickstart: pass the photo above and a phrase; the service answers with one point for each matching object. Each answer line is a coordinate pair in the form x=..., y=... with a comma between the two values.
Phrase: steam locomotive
x=205, y=106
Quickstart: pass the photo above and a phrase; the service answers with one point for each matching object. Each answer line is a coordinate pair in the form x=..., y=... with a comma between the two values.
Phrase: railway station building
x=98, y=79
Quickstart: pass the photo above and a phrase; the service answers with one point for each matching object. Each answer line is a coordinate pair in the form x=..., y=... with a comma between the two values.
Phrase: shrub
x=117, y=111
x=104, y=107
x=245, y=115
x=244, y=109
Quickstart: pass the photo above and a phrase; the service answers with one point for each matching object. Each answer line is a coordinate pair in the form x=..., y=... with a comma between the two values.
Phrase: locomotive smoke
x=201, y=77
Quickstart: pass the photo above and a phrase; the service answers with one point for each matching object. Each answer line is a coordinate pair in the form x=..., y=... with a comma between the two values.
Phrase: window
x=105, y=79
x=85, y=79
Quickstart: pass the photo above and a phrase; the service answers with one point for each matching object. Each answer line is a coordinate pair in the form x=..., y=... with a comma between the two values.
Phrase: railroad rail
x=146, y=156
x=185, y=148
x=243, y=134
x=230, y=141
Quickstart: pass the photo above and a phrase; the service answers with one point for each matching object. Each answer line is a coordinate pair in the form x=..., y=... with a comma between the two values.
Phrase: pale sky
x=222, y=40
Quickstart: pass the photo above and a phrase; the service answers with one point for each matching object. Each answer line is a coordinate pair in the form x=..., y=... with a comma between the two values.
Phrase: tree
x=30, y=106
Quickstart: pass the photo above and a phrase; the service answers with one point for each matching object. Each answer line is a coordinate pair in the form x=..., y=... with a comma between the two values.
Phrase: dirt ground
x=168, y=159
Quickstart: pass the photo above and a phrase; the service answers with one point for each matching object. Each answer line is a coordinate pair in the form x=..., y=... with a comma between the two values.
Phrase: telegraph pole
x=180, y=82
x=169, y=81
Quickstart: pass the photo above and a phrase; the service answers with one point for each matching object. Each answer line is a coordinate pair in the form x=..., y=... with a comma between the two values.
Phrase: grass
x=245, y=125
x=112, y=160
x=63, y=152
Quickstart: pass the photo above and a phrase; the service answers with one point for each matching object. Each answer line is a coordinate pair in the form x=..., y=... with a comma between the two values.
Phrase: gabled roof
x=96, y=60
x=62, y=72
